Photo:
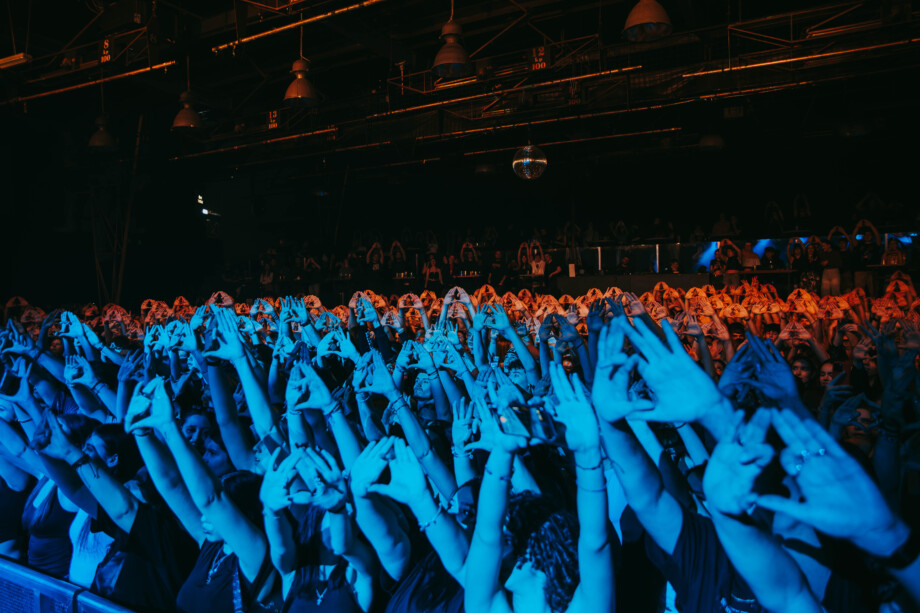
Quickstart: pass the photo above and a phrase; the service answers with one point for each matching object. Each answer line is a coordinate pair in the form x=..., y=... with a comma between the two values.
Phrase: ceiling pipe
x=814, y=56
x=432, y=105
x=71, y=88
x=271, y=141
x=296, y=24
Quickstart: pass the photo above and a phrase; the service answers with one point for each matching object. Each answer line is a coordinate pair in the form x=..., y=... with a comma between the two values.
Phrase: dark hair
x=736, y=328
x=771, y=328
x=116, y=441
x=553, y=550
x=242, y=487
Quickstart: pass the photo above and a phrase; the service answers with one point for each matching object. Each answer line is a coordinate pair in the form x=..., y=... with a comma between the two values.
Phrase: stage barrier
x=23, y=590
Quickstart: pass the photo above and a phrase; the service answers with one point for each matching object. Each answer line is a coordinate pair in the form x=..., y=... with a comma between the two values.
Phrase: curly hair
x=553, y=550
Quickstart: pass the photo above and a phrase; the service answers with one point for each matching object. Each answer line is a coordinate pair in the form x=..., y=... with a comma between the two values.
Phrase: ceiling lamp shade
x=712, y=142
x=647, y=22
x=452, y=61
x=301, y=91
x=529, y=162
x=101, y=140
x=187, y=118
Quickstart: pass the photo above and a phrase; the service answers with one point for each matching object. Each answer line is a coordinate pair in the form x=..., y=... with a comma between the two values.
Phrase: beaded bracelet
x=424, y=526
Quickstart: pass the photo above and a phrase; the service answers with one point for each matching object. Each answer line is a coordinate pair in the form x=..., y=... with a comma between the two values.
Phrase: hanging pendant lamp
x=452, y=61
x=647, y=22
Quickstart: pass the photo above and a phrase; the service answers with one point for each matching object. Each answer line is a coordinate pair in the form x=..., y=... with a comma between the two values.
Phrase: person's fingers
x=384, y=489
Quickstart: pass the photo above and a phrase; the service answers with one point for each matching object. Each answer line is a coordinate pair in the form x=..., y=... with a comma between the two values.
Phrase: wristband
x=82, y=461
x=140, y=432
x=95, y=385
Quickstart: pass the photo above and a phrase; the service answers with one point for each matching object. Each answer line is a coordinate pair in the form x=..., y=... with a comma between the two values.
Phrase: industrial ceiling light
x=101, y=140
x=187, y=118
x=712, y=142
x=301, y=91
x=529, y=162
x=452, y=61
x=647, y=22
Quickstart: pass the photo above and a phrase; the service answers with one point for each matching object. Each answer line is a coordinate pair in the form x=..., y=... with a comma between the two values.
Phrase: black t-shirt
x=217, y=585
x=703, y=577
x=310, y=591
x=145, y=568
x=427, y=587
x=865, y=255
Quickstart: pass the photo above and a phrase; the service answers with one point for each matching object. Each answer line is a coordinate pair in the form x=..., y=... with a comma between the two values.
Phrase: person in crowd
x=472, y=450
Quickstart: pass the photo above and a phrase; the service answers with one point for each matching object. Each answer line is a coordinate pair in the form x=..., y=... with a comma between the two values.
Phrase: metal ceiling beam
x=296, y=24
x=61, y=90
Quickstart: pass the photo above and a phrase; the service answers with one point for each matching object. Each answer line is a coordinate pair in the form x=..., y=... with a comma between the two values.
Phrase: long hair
x=553, y=550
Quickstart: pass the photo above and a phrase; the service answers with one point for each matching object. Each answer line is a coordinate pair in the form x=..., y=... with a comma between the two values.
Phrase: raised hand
x=365, y=312
x=59, y=445
x=374, y=377
x=150, y=407
x=198, y=319
x=226, y=343
x=463, y=425
x=736, y=462
x=595, y=319
x=446, y=356
x=77, y=370
x=670, y=373
x=610, y=390
x=407, y=479
x=773, y=378
x=275, y=492
x=369, y=465
x=323, y=477
x=838, y=497
x=306, y=390
x=574, y=411
x=181, y=336
x=568, y=336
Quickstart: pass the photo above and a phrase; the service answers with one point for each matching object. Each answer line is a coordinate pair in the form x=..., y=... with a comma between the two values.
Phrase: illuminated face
x=864, y=431
x=94, y=447
x=195, y=429
x=216, y=458
x=526, y=585
x=826, y=375
x=803, y=371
